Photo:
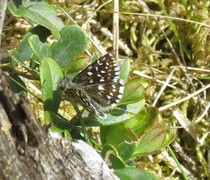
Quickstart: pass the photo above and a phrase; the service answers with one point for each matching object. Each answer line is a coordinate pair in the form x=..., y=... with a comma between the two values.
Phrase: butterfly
x=98, y=87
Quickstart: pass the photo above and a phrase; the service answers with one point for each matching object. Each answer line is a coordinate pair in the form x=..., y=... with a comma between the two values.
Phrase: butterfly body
x=97, y=88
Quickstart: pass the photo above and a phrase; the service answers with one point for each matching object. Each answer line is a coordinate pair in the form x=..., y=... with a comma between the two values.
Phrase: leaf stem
x=82, y=122
x=177, y=162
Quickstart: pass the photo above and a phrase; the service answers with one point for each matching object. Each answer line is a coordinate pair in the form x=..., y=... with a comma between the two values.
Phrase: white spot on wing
x=99, y=63
x=116, y=68
x=100, y=87
x=113, y=105
x=89, y=67
x=115, y=64
x=102, y=79
x=121, y=89
x=117, y=73
x=119, y=96
x=116, y=78
x=108, y=97
x=121, y=82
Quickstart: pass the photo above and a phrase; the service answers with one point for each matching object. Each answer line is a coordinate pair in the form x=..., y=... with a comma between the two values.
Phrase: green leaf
x=134, y=108
x=111, y=156
x=116, y=134
x=144, y=82
x=44, y=14
x=138, y=122
x=50, y=74
x=169, y=138
x=131, y=163
x=16, y=88
x=23, y=51
x=78, y=64
x=151, y=141
x=133, y=92
x=126, y=150
x=125, y=70
x=14, y=57
x=142, y=121
x=72, y=42
x=18, y=10
x=40, y=50
x=114, y=117
x=39, y=13
x=131, y=173
x=60, y=125
x=130, y=129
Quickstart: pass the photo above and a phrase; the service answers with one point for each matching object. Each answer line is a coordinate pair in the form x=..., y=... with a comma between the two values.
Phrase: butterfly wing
x=101, y=82
x=98, y=87
x=102, y=71
x=107, y=95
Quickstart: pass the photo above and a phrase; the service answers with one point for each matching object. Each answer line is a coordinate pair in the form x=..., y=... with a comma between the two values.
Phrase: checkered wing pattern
x=98, y=87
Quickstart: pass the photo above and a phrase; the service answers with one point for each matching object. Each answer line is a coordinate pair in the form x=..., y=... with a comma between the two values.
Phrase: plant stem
x=82, y=122
x=177, y=162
